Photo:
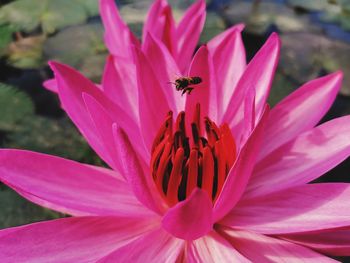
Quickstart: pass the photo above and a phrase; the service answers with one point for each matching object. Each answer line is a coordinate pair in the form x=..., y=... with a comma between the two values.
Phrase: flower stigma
x=180, y=163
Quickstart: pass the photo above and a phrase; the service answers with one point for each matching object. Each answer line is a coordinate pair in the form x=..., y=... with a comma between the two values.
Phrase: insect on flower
x=183, y=83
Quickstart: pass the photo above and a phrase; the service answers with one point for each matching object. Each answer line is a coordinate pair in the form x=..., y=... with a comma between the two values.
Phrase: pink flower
x=226, y=182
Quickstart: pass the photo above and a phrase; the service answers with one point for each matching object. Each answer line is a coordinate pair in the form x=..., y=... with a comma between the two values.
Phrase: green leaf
x=51, y=15
x=314, y=5
x=91, y=6
x=24, y=14
x=213, y=26
x=5, y=36
x=56, y=137
x=15, y=106
x=16, y=211
x=26, y=53
x=281, y=88
x=62, y=13
x=84, y=50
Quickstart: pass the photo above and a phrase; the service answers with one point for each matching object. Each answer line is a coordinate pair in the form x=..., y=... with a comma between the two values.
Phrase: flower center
x=180, y=163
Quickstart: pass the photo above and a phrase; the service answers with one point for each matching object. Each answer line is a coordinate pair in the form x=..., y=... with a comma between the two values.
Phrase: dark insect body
x=184, y=83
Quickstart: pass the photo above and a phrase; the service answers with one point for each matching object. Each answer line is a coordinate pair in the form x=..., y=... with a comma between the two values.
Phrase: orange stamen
x=180, y=163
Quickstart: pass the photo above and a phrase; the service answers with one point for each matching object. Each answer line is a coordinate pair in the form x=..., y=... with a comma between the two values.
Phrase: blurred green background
x=315, y=40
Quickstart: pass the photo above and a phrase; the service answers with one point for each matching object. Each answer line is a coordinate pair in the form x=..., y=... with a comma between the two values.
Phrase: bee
x=184, y=83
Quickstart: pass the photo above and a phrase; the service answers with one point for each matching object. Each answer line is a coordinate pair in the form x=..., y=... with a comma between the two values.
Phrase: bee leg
x=189, y=90
x=186, y=90
x=178, y=87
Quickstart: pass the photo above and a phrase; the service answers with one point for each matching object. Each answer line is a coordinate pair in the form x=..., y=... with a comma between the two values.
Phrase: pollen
x=180, y=163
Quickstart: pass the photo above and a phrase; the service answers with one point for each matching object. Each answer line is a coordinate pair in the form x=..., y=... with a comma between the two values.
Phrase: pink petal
x=303, y=159
x=228, y=54
x=302, y=208
x=216, y=41
x=51, y=85
x=166, y=69
x=188, y=32
x=75, y=239
x=118, y=37
x=190, y=219
x=103, y=124
x=153, y=102
x=68, y=186
x=240, y=173
x=71, y=85
x=211, y=249
x=143, y=189
x=119, y=87
x=203, y=92
x=300, y=111
x=258, y=76
x=335, y=242
x=160, y=23
x=260, y=248
x=243, y=123
x=156, y=246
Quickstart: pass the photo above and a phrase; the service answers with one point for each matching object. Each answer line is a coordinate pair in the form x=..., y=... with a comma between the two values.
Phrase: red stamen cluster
x=179, y=163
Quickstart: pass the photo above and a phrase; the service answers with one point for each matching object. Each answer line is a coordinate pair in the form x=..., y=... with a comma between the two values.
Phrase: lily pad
x=15, y=106
x=16, y=211
x=314, y=5
x=85, y=47
x=26, y=52
x=213, y=26
x=91, y=6
x=281, y=88
x=262, y=16
x=49, y=14
x=56, y=137
x=304, y=56
x=5, y=36
x=338, y=13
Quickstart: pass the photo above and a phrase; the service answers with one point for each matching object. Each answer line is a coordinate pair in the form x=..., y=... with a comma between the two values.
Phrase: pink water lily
x=214, y=176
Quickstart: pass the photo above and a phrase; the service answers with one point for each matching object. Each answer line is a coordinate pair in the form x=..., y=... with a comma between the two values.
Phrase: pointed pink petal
x=155, y=20
x=119, y=87
x=216, y=41
x=103, y=124
x=211, y=249
x=229, y=62
x=204, y=92
x=302, y=208
x=243, y=122
x=153, y=102
x=156, y=246
x=166, y=70
x=188, y=32
x=51, y=85
x=160, y=23
x=335, y=242
x=75, y=239
x=134, y=174
x=191, y=218
x=118, y=37
x=240, y=173
x=300, y=111
x=68, y=186
x=303, y=159
x=71, y=86
x=258, y=75
x=260, y=248
x=249, y=117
